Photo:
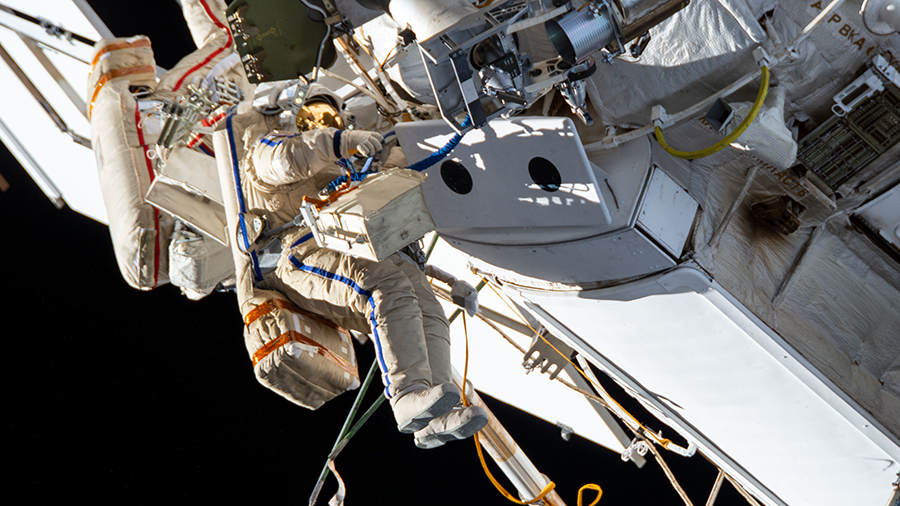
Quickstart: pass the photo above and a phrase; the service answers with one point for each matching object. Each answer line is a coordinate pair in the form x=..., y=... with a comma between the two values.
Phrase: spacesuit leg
x=434, y=322
x=355, y=292
x=462, y=421
x=366, y=296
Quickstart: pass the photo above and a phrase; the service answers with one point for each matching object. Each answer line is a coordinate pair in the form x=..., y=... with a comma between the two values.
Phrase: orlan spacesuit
x=271, y=171
x=122, y=89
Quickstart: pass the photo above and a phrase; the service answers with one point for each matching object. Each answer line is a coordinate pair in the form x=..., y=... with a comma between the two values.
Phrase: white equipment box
x=384, y=213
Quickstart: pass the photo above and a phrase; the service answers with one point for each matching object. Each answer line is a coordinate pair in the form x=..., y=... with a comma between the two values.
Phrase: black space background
x=115, y=396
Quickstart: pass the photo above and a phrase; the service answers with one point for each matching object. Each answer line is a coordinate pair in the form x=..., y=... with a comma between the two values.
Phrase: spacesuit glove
x=465, y=296
x=360, y=142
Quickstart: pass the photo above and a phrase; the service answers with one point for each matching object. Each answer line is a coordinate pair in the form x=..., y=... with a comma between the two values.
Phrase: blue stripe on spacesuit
x=240, y=196
x=269, y=142
x=336, y=144
x=302, y=240
x=206, y=150
x=365, y=293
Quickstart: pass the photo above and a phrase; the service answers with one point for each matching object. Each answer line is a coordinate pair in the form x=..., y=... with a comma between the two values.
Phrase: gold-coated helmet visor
x=318, y=114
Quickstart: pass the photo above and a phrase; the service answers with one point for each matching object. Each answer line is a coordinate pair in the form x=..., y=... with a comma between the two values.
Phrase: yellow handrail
x=733, y=136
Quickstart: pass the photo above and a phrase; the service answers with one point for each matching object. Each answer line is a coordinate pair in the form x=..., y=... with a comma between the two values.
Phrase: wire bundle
x=442, y=153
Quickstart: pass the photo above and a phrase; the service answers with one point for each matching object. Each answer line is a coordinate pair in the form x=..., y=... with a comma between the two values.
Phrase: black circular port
x=456, y=177
x=544, y=174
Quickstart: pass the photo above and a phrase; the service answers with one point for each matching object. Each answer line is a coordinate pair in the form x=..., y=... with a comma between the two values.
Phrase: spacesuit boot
x=459, y=423
x=415, y=409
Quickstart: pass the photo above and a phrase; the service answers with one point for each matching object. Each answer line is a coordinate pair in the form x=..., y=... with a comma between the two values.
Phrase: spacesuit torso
x=280, y=168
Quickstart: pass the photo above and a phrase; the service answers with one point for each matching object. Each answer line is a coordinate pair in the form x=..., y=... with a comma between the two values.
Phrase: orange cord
x=342, y=190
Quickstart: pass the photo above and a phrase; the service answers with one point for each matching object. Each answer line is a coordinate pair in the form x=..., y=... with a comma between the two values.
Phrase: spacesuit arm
x=282, y=159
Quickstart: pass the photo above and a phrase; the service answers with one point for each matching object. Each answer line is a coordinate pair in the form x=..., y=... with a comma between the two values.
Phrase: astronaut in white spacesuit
x=124, y=97
x=391, y=299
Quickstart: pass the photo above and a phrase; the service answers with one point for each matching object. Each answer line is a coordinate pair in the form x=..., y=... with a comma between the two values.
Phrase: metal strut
x=41, y=100
x=347, y=432
x=51, y=28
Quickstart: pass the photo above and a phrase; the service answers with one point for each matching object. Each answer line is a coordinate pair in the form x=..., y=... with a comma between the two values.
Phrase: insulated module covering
x=709, y=44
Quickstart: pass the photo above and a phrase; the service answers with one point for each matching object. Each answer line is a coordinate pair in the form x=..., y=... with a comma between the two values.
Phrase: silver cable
x=324, y=39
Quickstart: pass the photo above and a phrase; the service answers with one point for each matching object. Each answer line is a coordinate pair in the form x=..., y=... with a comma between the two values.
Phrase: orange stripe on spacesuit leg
x=115, y=47
x=294, y=336
x=127, y=71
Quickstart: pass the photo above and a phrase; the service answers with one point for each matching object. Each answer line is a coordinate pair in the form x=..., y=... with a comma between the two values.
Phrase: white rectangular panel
x=667, y=212
x=734, y=384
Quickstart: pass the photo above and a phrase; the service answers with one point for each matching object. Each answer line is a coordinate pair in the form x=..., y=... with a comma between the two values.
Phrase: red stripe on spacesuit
x=206, y=122
x=140, y=133
x=214, y=53
x=194, y=140
x=211, y=122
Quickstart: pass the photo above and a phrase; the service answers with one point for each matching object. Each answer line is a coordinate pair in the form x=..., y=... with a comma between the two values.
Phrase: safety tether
x=733, y=136
x=551, y=485
x=346, y=433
